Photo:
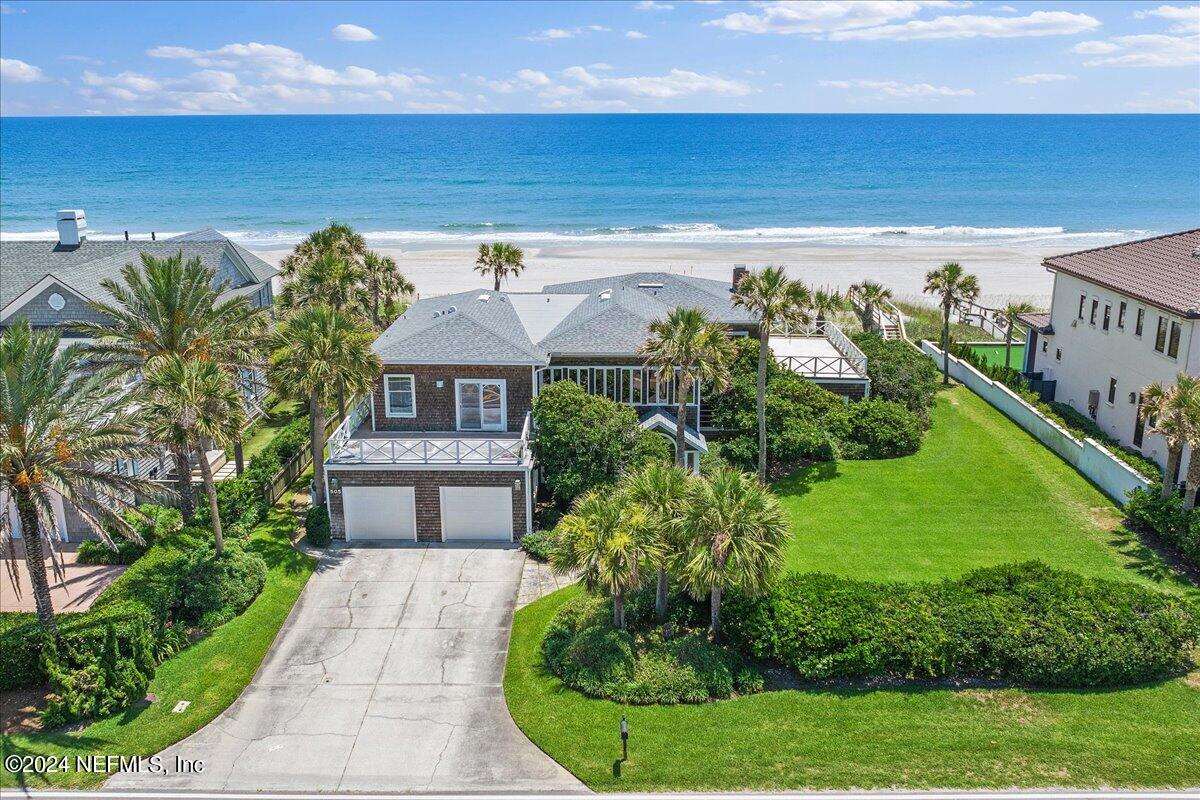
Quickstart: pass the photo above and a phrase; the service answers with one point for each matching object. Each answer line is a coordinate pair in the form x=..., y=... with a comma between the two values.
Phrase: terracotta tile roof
x=1163, y=271
x=1038, y=320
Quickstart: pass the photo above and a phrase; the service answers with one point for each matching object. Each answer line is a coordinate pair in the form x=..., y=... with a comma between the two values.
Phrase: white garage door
x=477, y=512
x=379, y=512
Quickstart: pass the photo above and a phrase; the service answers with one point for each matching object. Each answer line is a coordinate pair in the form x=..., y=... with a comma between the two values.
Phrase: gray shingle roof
x=24, y=263
x=1163, y=271
x=604, y=316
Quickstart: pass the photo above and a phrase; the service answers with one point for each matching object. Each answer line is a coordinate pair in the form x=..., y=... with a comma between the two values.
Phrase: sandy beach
x=1004, y=272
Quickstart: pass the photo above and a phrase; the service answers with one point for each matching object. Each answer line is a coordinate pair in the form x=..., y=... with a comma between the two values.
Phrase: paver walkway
x=387, y=676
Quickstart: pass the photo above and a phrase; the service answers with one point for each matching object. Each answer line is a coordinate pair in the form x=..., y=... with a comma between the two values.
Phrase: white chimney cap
x=71, y=213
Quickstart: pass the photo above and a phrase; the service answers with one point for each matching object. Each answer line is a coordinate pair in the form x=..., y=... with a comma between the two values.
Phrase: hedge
x=900, y=373
x=1168, y=519
x=1023, y=623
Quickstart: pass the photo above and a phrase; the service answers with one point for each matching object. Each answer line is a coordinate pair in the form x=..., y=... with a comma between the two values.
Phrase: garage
x=477, y=513
x=380, y=512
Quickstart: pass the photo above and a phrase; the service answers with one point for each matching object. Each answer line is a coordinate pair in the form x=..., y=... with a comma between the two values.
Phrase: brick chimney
x=739, y=271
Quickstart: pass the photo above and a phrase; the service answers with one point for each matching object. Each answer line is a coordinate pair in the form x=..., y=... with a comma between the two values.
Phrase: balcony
x=820, y=352
x=355, y=443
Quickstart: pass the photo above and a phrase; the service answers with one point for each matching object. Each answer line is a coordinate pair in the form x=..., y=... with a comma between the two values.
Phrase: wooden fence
x=294, y=468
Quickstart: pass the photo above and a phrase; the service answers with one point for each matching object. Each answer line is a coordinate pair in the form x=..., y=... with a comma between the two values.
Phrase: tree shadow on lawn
x=801, y=482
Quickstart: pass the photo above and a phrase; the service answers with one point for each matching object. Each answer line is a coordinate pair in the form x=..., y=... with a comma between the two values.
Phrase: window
x=1095, y=308
x=1045, y=346
x=399, y=398
x=1173, y=342
x=1082, y=300
x=1112, y=391
x=1107, y=315
x=1160, y=339
x=1058, y=354
x=1121, y=315
x=1141, y=319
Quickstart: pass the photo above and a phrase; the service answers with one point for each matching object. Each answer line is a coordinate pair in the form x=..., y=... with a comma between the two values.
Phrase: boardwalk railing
x=852, y=363
x=885, y=316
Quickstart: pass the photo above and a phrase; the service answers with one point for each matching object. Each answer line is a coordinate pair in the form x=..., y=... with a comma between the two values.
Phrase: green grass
x=264, y=430
x=211, y=673
x=994, y=353
x=925, y=322
x=980, y=492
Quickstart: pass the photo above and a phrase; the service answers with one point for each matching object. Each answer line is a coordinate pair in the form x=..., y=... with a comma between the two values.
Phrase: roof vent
x=451, y=309
x=483, y=298
x=650, y=286
x=1196, y=253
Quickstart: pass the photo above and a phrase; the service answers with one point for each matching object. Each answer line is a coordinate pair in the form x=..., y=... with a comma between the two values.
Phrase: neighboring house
x=440, y=451
x=49, y=282
x=1122, y=317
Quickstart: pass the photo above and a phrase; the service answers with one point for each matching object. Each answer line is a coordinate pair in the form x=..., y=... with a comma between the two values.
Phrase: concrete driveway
x=386, y=677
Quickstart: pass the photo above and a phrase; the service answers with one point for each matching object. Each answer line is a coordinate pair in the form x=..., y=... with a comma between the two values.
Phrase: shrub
x=1168, y=519
x=20, y=649
x=316, y=526
x=240, y=502
x=94, y=551
x=538, y=544
x=217, y=588
x=1025, y=623
x=150, y=521
x=650, y=446
x=581, y=440
x=900, y=373
x=883, y=429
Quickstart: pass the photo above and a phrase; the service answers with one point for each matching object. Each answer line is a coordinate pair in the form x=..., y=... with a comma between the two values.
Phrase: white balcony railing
x=425, y=448
x=850, y=362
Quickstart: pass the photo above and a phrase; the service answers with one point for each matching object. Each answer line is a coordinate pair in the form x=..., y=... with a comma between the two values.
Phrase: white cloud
x=1006, y=9
x=1142, y=50
x=353, y=33
x=551, y=34
x=652, y=5
x=1044, y=77
x=533, y=77
x=970, y=26
x=897, y=89
x=17, y=71
x=1186, y=18
x=895, y=19
x=635, y=35
x=675, y=83
x=5, y=8
x=1184, y=100
x=95, y=62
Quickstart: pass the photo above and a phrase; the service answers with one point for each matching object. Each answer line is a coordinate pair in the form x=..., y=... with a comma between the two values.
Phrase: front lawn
x=211, y=674
x=980, y=492
x=264, y=430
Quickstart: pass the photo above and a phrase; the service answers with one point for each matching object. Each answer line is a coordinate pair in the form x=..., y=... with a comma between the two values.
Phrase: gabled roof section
x=1163, y=271
x=660, y=419
x=459, y=329
x=669, y=289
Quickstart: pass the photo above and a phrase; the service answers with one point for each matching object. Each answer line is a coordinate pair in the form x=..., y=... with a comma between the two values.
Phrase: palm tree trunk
x=1193, y=479
x=681, y=421
x=497, y=286
x=341, y=399
x=619, y=610
x=317, y=441
x=1008, y=346
x=868, y=318
x=760, y=396
x=945, y=345
x=1168, y=481
x=210, y=489
x=715, y=618
x=660, y=597
x=239, y=462
x=35, y=560
x=183, y=483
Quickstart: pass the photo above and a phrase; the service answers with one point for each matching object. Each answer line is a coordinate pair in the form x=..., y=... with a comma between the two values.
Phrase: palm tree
x=501, y=260
x=1174, y=414
x=195, y=402
x=385, y=285
x=826, y=303
x=661, y=489
x=169, y=307
x=317, y=351
x=775, y=300
x=1009, y=315
x=953, y=286
x=337, y=239
x=330, y=280
x=872, y=294
x=685, y=348
x=60, y=427
x=605, y=539
x=735, y=529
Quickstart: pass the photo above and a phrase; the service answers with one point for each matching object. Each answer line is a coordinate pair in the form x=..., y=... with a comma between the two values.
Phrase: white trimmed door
x=379, y=512
x=475, y=513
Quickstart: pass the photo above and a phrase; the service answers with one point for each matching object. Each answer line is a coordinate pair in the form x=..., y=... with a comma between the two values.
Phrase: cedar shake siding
x=435, y=407
x=426, y=490
x=851, y=391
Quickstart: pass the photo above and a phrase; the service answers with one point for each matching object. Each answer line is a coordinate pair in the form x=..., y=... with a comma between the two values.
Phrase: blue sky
x=651, y=56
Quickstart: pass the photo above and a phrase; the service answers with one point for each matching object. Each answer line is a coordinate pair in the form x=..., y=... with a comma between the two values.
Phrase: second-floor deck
x=820, y=351
x=354, y=442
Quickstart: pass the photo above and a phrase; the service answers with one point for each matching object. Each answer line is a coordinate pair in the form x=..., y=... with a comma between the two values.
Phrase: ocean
x=540, y=179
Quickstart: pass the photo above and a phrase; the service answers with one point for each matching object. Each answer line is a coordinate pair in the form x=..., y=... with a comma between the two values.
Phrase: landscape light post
x=624, y=738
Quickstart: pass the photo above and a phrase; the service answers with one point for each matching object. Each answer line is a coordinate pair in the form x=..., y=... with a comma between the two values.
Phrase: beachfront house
x=440, y=450
x=50, y=281
x=1122, y=317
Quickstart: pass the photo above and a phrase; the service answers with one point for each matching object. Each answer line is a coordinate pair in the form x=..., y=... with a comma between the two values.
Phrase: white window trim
x=387, y=396
x=458, y=383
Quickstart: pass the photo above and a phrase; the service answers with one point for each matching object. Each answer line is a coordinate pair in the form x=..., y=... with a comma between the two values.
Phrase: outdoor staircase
x=890, y=331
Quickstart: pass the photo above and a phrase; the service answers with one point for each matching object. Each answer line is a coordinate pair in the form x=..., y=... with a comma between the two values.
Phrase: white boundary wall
x=1114, y=477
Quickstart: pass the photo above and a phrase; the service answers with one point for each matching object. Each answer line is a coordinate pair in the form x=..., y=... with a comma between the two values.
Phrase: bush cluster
x=1024, y=623
x=538, y=544
x=881, y=429
x=583, y=441
x=107, y=655
x=638, y=665
x=900, y=373
x=150, y=521
x=316, y=526
x=1168, y=519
